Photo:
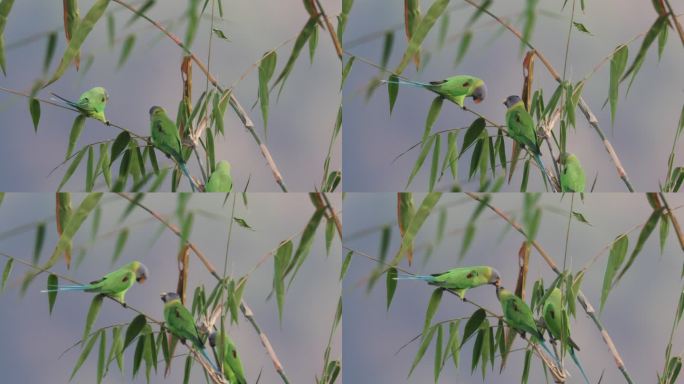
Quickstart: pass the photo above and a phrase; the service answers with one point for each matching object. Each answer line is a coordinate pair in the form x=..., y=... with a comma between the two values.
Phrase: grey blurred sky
x=300, y=122
x=32, y=338
x=645, y=122
x=638, y=313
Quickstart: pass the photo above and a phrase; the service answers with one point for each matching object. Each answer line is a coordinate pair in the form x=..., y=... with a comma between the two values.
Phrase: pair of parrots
x=516, y=312
x=521, y=127
x=164, y=134
x=177, y=318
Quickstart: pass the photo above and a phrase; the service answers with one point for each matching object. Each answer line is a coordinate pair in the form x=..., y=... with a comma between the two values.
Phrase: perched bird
x=519, y=316
x=521, y=128
x=181, y=324
x=220, y=180
x=92, y=103
x=459, y=279
x=114, y=284
x=553, y=313
x=572, y=176
x=165, y=137
x=454, y=88
x=232, y=366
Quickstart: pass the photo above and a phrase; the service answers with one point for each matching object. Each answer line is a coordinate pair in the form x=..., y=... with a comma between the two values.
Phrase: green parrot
x=220, y=180
x=519, y=316
x=232, y=366
x=454, y=88
x=92, y=103
x=521, y=128
x=181, y=324
x=114, y=284
x=572, y=177
x=459, y=279
x=165, y=137
x=553, y=310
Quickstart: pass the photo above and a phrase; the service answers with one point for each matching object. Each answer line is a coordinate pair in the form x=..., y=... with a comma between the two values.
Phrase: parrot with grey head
x=92, y=103
x=454, y=88
x=114, y=284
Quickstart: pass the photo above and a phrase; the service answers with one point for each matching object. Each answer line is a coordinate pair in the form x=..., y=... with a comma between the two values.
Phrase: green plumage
x=572, y=177
x=165, y=137
x=220, y=180
x=232, y=366
x=454, y=88
x=520, y=125
x=459, y=279
x=92, y=103
x=517, y=314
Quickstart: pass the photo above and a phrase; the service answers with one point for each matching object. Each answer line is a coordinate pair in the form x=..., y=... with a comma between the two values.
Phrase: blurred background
x=638, y=313
x=646, y=118
x=32, y=336
x=300, y=121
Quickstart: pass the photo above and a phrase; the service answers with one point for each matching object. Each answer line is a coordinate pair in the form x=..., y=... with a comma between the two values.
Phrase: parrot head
x=479, y=93
x=564, y=157
x=212, y=339
x=494, y=277
x=512, y=100
x=157, y=111
x=169, y=296
x=101, y=93
x=141, y=273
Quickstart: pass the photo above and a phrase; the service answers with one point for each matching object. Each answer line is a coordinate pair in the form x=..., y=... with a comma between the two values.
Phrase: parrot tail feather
x=537, y=158
x=187, y=174
x=203, y=351
x=415, y=277
x=407, y=82
x=64, y=288
x=579, y=365
x=69, y=102
x=546, y=348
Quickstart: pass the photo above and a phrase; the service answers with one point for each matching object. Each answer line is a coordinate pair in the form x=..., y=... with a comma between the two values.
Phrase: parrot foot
x=107, y=123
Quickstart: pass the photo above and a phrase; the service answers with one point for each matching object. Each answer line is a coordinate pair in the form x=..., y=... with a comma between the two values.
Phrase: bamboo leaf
x=115, y=352
x=417, y=222
x=126, y=50
x=82, y=30
x=134, y=328
x=392, y=90
x=76, y=129
x=85, y=353
x=266, y=69
x=387, y=44
x=473, y=324
x=438, y=353
x=94, y=310
x=633, y=69
x=120, y=143
x=101, y=356
x=241, y=222
x=5, y=8
x=474, y=131
x=433, y=305
x=580, y=27
x=52, y=291
x=618, y=63
x=219, y=33
x=34, y=109
x=435, y=164
x=120, y=243
x=463, y=46
x=421, y=31
x=433, y=114
x=391, y=285
x=302, y=38
x=329, y=235
x=643, y=236
x=617, y=256
x=664, y=229
x=423, y=347
x=345, y=264
x=6, y=272
x=427, y=145
x=280, y=262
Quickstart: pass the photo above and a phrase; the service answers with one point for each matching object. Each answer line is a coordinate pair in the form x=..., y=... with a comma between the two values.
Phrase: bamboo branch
x=333, y=35
x=586, y=111
x=588, y=308
x=673, y=219
x=234, y=103
x=677, y=24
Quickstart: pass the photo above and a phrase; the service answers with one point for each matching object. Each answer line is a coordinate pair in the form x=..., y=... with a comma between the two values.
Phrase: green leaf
x=473, y=324
x=95, y=306
x=662, y=40
x=302, y=38
x=186, y=371
x=421, y=31
x=618, y=63
x=423, y=347
x=391, y=285
x=241, y=222
x=346, y=70
x=345, y=264
x=433, y=305
x=5, y=8
x=115, y=352
x=643, y=236
x=141, y=11
x=219, y=33
x=120, y=143
x=280, y=262
x=40, y=240
x=85, y=353
x=76, y=129
x=580, y=27
x=392, y=90
x=473, y=132
x=111, y=29
x=463, y=46
x=387, y=44
x=313, y=43
x=34, y=109
x=526, y=366
x=120, y=243
x=435, y=164
x=138, y=354
x=633, y=69
x=134, y=329
x=52, y=292
x=664, y=229
x=50, y=50
x=126, y=50
x=617, y=256
x=90, y=175
x=477, y=351
x=101, y=356
x=417, y=222
x=427, y=145
x=6, y=272
x=82, y=30
x=438, y=353
x=443, y=30
x=329, y=235
x=432, y=116
x=266, y=68
x=453, y=344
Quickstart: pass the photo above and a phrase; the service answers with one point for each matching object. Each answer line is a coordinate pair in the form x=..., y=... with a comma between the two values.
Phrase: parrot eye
x=466, y=84
x=103, y=99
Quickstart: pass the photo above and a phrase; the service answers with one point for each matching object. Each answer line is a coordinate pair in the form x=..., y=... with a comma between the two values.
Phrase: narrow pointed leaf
x=52, y=295
x=391, y=285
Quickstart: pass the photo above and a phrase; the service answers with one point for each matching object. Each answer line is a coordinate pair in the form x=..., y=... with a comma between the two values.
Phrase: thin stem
x=673, y=219
x=586, y=305
x=233, y=101
x=677, y=24
x=333, y=35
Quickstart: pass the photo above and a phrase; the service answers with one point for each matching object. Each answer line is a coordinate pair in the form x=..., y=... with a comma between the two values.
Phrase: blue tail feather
x=65, y=288
x=187, y=174
x=203, y=351
x=546, y=348
x=407, y=82
x=537, y=158
x=427, y=278
x=579, y=365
